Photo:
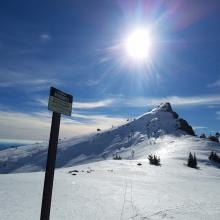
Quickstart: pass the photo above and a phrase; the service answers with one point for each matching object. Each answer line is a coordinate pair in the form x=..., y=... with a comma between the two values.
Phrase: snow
x=108, y=189
x=121, y=189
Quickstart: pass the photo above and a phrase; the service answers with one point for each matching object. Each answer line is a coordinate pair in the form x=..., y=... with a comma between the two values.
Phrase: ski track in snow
x=126, y=192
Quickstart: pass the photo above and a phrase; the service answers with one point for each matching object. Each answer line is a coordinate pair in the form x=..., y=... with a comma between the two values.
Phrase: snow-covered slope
x=119, y=190
x=160, y=121
x=102, y=188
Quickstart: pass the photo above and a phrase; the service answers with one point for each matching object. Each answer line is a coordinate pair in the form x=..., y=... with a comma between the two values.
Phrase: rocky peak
x=182, y=124
x=166, y=107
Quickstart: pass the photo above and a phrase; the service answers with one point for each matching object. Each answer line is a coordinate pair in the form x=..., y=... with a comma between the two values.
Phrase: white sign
x=60, y=102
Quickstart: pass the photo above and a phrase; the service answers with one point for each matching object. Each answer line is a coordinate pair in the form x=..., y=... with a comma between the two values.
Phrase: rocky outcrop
x=184, y=126
x=166, y=107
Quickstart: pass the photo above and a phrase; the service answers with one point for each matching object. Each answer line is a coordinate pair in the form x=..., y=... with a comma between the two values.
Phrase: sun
x=138, y=44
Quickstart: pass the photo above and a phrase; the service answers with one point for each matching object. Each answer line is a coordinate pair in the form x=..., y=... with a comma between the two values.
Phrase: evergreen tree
x=194, y=161
x=190, y=160
x=202, y=136
x=154, y=160
x=150, y=158
x=213, y=138
x=116, y=157
x=211, y=156
x=214, y=157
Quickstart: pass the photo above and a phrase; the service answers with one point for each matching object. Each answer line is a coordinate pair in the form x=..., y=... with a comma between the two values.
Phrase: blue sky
x=76, y=47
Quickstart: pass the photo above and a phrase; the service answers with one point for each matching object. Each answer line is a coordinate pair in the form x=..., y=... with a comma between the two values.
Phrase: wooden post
x=51, y=161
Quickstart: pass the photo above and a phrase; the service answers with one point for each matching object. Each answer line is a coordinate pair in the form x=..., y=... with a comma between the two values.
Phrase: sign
x=60, y=102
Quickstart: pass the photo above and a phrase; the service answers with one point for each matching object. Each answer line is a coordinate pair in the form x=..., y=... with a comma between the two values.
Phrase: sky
x=78, y=47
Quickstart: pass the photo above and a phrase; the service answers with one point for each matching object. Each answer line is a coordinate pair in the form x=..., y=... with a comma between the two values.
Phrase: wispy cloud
x=93, y=82
x=214, y=84
x=91, y=105
x=36, y=126
x=45, y=36
x=143, y=102
x=100, y=119
x=28, y=82
x=218, y=115
x=213, y=106
x=27, y=78
x=25, y=126
x=199, y=127
x=39, y=101
x=174, y=100
x=80, y=105
x=34, y=84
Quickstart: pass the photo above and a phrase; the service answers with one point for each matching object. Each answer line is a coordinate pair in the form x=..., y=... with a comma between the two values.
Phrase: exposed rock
x=175, y=115
x=184, y=126
x=166, y=107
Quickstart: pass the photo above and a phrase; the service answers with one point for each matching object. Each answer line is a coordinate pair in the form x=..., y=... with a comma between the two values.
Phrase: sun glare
x=138, y=45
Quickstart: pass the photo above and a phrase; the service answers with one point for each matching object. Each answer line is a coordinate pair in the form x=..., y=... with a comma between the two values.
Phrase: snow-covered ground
x=112, y=189
x=108, y=189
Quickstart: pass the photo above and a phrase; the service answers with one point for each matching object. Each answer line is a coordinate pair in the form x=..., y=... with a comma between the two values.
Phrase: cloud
x=40, y=102
x=143, y=102
x=93, y=82
x=214, y=84
x=28, y=82
x=99, y=120
x=23, y=126
x=213, y=106
x=199, y=127
x=174, y=100
x=45, y=36
x=218, y=115
x=80, y=105
x=91, y=105
x=36, y=126
x=29, y=78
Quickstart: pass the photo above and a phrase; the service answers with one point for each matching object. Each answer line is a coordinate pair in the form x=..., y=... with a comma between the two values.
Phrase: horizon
x=77, y=47
x=17, y=141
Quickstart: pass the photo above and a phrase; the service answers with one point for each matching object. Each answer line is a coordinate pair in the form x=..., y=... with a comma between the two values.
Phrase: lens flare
x=138, y=45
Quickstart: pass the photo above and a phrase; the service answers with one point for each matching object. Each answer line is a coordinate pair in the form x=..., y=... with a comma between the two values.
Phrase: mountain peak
x=165, y=106
x=182, y=124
